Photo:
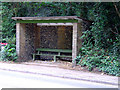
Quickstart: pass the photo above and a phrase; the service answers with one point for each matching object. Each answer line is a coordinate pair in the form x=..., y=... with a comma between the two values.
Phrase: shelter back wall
x=59, y=37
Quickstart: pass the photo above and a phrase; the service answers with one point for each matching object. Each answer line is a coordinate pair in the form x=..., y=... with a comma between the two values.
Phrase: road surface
x=12, y=79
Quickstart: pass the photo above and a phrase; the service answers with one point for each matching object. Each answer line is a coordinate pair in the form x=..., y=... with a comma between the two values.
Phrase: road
x=12, y=79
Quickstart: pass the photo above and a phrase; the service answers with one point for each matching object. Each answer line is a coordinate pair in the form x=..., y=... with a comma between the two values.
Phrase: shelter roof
x=48, y=18
x=52, y=19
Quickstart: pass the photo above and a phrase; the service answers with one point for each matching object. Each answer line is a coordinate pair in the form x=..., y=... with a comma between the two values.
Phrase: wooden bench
x=49, y=52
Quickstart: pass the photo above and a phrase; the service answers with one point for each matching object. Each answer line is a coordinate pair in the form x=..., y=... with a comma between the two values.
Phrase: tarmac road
x=13, y=79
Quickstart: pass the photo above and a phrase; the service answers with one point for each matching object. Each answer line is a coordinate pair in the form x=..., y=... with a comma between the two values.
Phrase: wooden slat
x=54, y=50
x=45, y=54
x=64, y=56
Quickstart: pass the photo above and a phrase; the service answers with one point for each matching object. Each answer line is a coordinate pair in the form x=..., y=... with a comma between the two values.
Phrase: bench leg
x=33, y=57
x=54, y=58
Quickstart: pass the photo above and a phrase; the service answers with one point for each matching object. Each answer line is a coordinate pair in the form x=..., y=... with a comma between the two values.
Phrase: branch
x=116, y=9
x=114, y=32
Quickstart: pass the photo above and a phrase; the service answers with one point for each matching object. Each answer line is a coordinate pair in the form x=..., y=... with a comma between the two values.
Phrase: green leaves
x=9, y=53
x=104, y=49
x=97, y=58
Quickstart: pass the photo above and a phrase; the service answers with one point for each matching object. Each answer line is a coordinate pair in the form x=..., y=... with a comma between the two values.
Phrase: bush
x=110, y=65
x=97, y=58
x=9, y=53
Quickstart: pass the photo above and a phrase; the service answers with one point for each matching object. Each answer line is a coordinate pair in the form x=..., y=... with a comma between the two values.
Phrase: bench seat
x=58, y=51
x=64, y=56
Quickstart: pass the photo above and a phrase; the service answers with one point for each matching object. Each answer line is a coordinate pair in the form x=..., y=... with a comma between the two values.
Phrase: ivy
x=101, y=46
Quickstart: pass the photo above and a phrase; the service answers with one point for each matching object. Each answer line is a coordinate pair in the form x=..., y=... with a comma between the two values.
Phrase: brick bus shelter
x=58, y=32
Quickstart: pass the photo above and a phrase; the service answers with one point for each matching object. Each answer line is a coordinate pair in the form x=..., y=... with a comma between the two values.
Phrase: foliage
x=10, y=40
x=97, y=58
x=7, y=23
x=101, y=46
x=9, y=53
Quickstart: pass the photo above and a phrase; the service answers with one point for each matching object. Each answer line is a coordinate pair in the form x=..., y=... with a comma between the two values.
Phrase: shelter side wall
x=68, y=37
x=77, y=42
x=26, y=41
x=20, y=40
x=79, y=34
x=30, y=41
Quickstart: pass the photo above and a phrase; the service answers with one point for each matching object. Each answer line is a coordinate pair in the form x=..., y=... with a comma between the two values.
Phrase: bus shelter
x=61, y=32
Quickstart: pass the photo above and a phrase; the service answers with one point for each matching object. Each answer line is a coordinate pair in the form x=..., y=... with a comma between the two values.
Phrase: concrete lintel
x=55, y=24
